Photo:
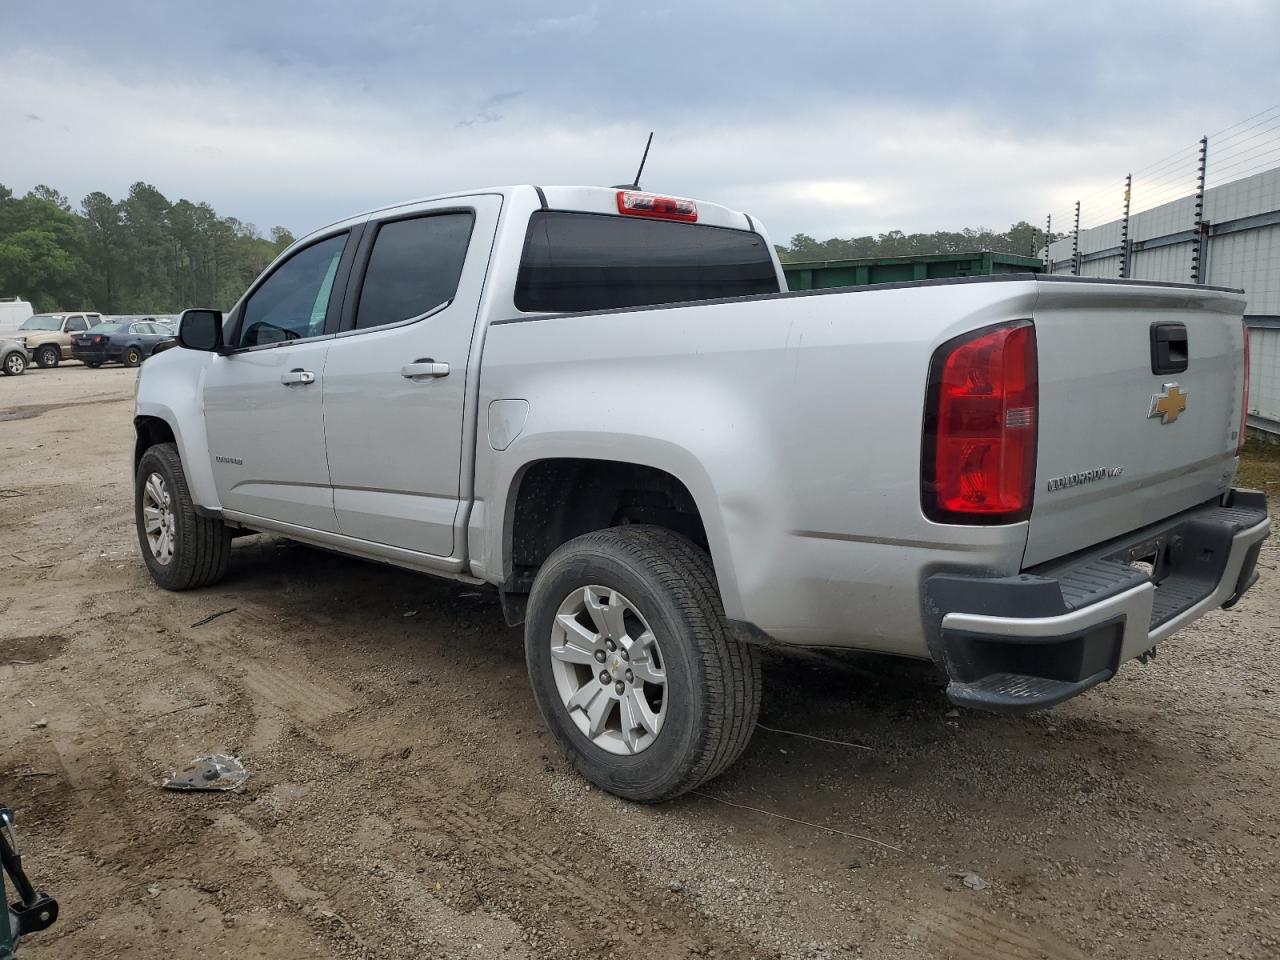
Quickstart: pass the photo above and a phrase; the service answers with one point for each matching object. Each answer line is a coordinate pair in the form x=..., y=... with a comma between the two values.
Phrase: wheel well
x=150, y=431
x=561, y=499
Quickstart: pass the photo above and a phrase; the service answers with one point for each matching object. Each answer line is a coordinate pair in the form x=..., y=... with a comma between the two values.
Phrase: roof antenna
x=635, y=185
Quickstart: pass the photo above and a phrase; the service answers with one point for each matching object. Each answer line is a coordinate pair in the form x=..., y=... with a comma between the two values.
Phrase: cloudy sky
x=831, y=117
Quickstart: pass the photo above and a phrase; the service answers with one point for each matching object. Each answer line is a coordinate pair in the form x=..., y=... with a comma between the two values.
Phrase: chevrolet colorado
x=605, y=403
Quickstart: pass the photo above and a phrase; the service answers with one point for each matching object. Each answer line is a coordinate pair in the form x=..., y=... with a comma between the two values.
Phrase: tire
x=92, y=364
x=48, y=356
x=15, y=364
x=132, y=356
x=710, y=698
x=200, y=546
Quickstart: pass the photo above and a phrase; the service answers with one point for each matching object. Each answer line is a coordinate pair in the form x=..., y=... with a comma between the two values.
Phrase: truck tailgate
x=1121, y=446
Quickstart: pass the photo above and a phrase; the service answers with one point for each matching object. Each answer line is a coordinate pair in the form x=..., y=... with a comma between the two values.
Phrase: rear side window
x=414, y=267
x=587, y=261
x=76, y=325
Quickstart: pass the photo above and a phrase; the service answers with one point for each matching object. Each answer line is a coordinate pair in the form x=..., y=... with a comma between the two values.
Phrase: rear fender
x=729, y=517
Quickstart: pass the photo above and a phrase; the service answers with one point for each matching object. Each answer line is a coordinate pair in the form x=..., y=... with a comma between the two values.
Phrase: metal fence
x=1209, y=213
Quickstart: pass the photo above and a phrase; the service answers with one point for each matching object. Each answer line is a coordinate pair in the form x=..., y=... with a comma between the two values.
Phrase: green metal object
x=33, y=910
x=8, y=936
x=822, y=274
x=6, y=932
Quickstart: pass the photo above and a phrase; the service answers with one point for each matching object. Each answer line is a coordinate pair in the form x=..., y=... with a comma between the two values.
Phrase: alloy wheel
x=159, y=521
x=608, y=669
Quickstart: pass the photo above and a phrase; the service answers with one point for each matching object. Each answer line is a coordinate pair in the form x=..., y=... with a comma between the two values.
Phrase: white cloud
x=302, y=145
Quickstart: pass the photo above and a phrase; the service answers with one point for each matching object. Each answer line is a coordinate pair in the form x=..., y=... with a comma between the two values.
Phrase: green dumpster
x=821, y=274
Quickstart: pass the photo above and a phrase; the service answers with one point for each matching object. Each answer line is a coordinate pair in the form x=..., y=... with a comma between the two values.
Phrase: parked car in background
x=48, y=335
x=129, y=343
x=13, y=311
x=14, y=358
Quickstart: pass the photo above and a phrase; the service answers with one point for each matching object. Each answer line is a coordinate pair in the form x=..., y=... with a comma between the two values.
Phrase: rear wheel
x=48, y=356
x=182, y=549
x=132, y=356
x=636, y=675
x=14, y=364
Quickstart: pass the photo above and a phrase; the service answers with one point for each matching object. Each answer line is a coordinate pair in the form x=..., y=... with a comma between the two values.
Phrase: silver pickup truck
x=605, y=403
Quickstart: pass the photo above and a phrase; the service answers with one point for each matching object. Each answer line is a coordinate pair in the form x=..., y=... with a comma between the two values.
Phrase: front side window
x=414, y=267
x=76, y=325
x=292, y=302
x=588, y=261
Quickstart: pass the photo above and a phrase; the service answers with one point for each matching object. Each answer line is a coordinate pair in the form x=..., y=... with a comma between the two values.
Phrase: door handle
x=424, y=369
x=297, y=377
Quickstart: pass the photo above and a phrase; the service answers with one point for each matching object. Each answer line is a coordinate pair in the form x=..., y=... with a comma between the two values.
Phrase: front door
x=263, y=400
x=395, y=379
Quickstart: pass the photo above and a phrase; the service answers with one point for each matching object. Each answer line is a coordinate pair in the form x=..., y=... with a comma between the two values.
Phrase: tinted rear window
x=587, y=261
x=415, y=266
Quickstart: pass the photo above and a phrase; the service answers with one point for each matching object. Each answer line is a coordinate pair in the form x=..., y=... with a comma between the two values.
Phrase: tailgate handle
x=1168, y=347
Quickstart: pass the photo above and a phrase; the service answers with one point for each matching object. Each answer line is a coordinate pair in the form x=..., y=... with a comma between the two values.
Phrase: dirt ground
x=406, y=803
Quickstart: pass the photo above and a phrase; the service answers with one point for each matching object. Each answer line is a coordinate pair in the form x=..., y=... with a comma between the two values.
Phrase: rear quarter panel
x=794, y=421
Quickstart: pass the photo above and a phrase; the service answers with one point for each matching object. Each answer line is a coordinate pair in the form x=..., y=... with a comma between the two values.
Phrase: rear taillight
x=1244, y=399
x=637, y=204
x=979, y=455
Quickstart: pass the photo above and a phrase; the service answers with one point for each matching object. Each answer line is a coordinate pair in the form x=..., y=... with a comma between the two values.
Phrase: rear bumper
x=1020, y=643
x=94, y=355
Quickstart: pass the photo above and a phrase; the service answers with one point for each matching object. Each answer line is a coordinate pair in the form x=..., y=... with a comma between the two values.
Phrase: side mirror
x=200, y=330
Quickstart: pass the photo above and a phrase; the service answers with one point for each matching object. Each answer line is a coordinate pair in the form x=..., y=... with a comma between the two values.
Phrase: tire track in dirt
x=529, y=867
x=515, y=860
x=971, y=931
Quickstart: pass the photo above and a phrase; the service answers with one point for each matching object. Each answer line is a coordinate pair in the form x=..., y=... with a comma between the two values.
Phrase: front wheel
x=132, y=357
x=14, y=364
x=643, y=687
x=182, y=549
x=48, y=356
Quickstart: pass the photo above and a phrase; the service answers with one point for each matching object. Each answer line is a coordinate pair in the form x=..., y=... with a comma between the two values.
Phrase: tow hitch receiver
x=34, y=910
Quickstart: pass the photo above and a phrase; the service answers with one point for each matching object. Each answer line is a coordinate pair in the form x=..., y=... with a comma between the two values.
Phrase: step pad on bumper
x=1015, y=692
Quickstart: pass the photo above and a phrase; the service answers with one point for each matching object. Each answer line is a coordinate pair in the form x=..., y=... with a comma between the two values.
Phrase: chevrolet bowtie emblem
x=1169, y=404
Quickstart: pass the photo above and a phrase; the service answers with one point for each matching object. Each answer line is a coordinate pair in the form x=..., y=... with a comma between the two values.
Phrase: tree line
x=1021, y=238
x=147, y=254
x=141, y=254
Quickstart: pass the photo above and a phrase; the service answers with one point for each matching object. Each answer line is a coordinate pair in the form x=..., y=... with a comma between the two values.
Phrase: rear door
x=395, y=380
x=1131, y=431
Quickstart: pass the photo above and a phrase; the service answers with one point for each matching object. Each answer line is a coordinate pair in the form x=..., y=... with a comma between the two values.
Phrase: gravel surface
x=405, y=802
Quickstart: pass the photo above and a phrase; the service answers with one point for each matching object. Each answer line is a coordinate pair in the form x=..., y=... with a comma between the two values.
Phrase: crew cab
x=605, y=403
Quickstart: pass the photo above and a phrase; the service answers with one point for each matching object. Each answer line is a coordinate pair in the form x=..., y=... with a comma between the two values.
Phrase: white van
x=13, y=311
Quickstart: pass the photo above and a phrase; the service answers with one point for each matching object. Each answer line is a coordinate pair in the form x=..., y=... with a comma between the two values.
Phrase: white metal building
x=1241, y=248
